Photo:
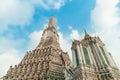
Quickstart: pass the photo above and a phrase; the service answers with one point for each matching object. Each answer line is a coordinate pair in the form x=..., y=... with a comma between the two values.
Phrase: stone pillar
x=74, y=58
x=97, y=55
x=82, y=53
x=94, y=55
x=91, y=56
x=106, y=52
x=101, y=54
x=79, y=54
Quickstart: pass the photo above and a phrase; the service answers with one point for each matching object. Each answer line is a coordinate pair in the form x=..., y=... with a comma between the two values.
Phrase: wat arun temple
x=90, y=60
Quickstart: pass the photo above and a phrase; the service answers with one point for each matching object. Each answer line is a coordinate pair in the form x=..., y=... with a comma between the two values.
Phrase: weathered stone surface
x=92, y=61
x=47, y=61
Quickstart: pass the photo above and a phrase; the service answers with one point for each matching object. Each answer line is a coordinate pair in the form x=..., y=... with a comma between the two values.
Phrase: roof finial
x=52, y=21
x=86, y=34
x=85, y=31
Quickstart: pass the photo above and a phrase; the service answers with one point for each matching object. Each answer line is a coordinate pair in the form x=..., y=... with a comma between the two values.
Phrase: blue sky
x=22, y=23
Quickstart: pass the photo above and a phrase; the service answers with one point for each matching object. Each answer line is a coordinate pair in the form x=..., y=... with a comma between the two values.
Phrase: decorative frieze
x=44, y=62
x=94, y=60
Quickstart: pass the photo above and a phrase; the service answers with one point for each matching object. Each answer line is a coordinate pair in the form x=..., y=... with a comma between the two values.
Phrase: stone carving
x=91, y=60
x=48, y=62
x=44, y=62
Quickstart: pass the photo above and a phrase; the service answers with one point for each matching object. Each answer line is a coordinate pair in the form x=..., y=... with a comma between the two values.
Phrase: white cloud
x=75, y=35
x=8, y=58
x=9, y=55
x=20, y=12
x=65, y=44
x=35, y=38
x=106, y=14
x=49, y=4
x=106, y=22
x=14, y=12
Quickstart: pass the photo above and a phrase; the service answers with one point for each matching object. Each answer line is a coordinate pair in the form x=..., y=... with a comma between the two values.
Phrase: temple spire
x=52, y=22
x=86, y=34
x=50, y=36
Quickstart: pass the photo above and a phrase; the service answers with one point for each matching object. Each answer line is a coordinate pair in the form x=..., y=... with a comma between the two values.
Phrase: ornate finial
x=86, y=34
x=52, y=21
x=85, y=31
